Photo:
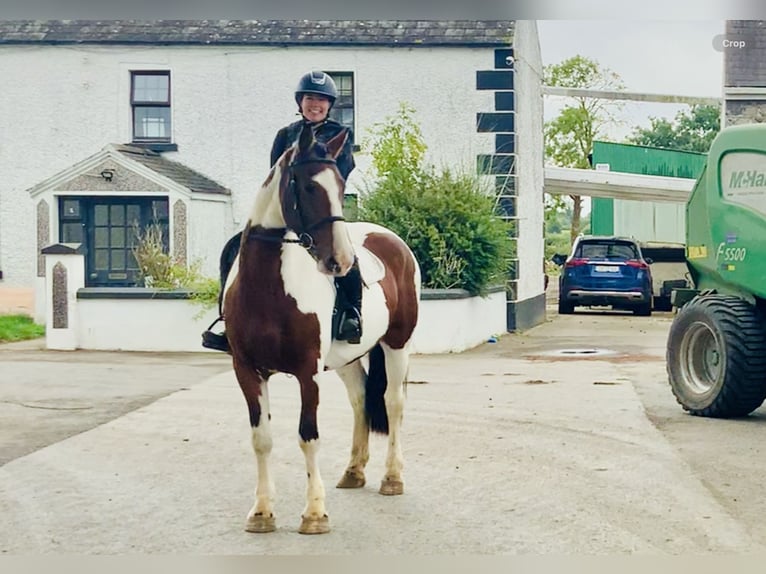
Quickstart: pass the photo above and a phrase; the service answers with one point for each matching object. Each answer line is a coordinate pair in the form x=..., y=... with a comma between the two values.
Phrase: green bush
x=161, y=271
x=448, y=219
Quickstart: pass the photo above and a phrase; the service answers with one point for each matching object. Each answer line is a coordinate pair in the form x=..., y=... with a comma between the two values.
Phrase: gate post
x=64, y=275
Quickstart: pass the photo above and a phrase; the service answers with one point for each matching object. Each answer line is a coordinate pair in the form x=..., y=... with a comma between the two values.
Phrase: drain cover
x=574, y=353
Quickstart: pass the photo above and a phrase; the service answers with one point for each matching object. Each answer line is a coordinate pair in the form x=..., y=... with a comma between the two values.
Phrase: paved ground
x=564, y=439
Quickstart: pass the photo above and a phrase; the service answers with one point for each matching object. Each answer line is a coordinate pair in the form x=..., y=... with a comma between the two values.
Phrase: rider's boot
x=218, y=341
x=350, y=329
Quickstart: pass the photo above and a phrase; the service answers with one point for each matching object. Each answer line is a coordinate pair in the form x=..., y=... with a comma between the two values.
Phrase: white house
x=110, y=122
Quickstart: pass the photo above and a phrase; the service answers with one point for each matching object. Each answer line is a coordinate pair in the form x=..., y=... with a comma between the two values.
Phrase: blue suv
x=605, y=270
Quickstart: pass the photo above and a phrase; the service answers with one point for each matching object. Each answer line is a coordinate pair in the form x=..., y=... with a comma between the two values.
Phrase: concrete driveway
x=564, y=439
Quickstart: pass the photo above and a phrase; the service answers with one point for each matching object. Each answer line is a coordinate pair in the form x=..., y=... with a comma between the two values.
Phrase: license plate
x=607, y=269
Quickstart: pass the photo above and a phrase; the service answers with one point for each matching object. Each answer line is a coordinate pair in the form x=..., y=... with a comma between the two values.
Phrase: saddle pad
x=371, y=268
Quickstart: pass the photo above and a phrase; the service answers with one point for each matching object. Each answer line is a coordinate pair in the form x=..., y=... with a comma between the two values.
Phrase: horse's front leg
x=314, y=519
x=256, y=391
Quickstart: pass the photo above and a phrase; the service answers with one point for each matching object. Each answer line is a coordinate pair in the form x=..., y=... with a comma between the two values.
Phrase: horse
x=278, y=306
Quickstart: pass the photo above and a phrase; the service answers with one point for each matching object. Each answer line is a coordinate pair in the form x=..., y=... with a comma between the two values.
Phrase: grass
x=19, y=328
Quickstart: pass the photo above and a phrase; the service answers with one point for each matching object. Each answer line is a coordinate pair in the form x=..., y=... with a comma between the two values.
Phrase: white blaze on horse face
x=342, y=250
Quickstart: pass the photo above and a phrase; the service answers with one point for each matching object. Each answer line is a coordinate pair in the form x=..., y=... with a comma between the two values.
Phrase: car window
x=587, y=250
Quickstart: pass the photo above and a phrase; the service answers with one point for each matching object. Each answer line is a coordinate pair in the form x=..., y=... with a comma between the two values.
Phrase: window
x=150, y=100
x=107, y=227
x=343, y=110
x=607, y=250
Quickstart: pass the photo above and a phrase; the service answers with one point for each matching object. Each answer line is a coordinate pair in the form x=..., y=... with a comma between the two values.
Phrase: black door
x=109, y=227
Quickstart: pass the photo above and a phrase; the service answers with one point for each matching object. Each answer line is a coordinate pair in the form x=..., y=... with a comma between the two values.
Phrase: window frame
x=344, y=101
x=138, y=104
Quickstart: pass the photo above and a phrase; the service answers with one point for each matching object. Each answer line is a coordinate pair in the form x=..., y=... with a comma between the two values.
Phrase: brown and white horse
x=278, y=306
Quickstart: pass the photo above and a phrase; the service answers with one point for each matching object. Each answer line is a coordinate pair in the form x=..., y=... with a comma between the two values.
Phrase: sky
x=662, y=57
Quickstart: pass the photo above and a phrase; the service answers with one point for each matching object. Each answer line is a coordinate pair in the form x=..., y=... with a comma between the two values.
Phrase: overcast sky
x=664, y=57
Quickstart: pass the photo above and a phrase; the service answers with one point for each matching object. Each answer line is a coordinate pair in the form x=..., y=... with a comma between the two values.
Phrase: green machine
x=716, y=352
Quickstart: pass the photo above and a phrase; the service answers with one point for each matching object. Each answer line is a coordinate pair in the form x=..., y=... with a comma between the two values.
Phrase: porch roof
x=178, y=172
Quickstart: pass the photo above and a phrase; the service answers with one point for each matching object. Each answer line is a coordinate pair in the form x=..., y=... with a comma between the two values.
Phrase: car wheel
x=565, y=308
x=643, y=310
x=716, y=357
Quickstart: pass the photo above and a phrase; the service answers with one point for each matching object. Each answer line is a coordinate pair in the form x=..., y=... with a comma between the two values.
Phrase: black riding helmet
x=316, y=82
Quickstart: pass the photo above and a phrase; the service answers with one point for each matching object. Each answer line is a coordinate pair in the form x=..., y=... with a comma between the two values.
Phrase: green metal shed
x=647, y=221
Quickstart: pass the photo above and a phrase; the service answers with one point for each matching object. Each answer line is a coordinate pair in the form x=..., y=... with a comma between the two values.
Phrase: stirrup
x=350, y=329
x=215, y=341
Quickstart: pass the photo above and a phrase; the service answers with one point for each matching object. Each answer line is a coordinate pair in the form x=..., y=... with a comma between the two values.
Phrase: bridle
x=305, y=239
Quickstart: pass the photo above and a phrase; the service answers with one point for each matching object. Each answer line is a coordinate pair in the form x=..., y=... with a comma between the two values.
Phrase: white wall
x=227, y=104
x=206, y=220
x=529, y=158
x=444, y=326
x=455, y=325
x=650, y=221
x=142, y=325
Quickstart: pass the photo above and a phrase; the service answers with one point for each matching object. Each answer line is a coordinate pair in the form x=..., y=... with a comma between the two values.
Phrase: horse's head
x=311, y=196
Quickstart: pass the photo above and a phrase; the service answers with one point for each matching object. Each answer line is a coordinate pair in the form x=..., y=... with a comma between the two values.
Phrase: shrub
x=160, y=270
x=447, y=218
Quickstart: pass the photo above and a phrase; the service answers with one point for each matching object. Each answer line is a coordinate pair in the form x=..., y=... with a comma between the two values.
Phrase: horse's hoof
x=391, y=487
x=260, y=523
x=351, y=480
x=314, y=525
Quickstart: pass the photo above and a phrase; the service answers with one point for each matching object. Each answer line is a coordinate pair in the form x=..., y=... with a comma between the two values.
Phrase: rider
x=315, y=95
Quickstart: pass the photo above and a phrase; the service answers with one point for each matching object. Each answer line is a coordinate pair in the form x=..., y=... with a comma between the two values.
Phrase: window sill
x=156, y=146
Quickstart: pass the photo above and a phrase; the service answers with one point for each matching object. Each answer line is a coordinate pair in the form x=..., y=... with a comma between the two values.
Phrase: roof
x=178, y=172
x=473, y=33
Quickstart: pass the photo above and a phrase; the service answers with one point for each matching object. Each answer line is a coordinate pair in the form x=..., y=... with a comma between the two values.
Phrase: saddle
x=371, y=271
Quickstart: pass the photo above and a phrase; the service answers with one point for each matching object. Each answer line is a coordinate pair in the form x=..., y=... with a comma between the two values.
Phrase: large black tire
x=716, y=357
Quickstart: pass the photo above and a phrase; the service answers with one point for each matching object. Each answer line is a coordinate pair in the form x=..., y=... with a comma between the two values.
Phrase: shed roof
x=458, y=33
x=178, y=172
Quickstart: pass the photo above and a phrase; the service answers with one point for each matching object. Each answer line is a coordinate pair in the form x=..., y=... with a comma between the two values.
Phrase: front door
x=108, y=227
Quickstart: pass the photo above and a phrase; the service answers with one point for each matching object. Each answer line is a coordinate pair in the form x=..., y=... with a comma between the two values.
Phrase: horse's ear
x=306, y=138
x=335, y=145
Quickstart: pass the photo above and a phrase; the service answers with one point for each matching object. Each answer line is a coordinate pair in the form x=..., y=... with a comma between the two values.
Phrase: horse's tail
x=375, y=388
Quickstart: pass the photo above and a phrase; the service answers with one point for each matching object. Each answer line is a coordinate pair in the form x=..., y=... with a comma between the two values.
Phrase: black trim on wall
x=523, y=315
x=506, y=206
x=495, y=122
x=495, y=164
x=505, y=185
x=505, y=101
x=505, y=143
x=502, y=60
x=494, y=79
x=502, y=163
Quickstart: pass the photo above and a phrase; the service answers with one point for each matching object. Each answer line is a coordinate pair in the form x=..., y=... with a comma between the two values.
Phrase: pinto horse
x=279, y=303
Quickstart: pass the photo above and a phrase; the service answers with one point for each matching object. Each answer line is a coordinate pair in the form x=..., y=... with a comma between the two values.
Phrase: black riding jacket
x=323, y=132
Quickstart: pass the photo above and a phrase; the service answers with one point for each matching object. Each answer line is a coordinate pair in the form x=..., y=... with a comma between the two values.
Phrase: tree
x=691, y=130
x=569, y=137
x=447, y=217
